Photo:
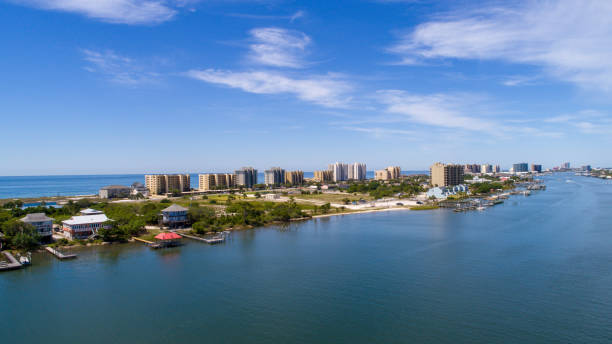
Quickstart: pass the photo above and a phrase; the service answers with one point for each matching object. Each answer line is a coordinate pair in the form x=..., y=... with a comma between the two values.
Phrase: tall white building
x=339, y=171
x=357, y=171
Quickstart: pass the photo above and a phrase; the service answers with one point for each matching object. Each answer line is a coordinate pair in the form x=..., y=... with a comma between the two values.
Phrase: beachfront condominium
x=213, y=181
x=496, y=169
x=246, y=176
x=357, y=171
x=294, y=177
x=339, y=171
x=446, y=174
x=486, y=168
x=520, y=167
x=159, y=184
x=472, y=168
x=536, y=168
x=323, y=176
x=566, y=165
x=274, y=176
x=389, y=173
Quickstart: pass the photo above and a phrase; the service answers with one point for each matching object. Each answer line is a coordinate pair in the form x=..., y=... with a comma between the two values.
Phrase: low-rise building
x=114, y=191
x=139, y=189
x=42, y=223
x=271, y=196
x=389, y=173
x=175, y=216
x=442, y=192
x=89, y=211
x=84, y=226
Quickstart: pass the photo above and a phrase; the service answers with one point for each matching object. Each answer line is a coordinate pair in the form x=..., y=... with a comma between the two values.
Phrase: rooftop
x=90, y=211
x=175, y=207
x=36, y=217
x=81, y=220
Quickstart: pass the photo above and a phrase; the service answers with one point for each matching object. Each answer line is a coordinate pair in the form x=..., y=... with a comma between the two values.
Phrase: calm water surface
x=534, y=270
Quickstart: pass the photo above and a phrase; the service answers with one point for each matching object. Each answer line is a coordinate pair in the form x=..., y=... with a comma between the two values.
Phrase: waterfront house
x=174, y=216
x=82, y=227
x=42, y=223
x=168, y=239
x=114, y=191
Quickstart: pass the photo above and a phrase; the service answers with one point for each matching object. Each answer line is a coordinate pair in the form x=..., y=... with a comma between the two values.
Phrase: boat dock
x=211, y=241
x=151, y=244
x=13, y=265
x=59, y=254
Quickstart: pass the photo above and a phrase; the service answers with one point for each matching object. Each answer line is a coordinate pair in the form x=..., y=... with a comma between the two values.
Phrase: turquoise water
x=536, y=269
x=49, y=186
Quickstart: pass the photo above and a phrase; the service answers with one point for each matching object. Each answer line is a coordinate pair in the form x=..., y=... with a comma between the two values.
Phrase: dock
x=148, y=243
x=211, y=241
x=13, y=265
x=59, y=254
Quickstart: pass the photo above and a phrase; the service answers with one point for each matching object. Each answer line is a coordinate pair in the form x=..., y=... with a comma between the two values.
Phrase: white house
x=81, y=227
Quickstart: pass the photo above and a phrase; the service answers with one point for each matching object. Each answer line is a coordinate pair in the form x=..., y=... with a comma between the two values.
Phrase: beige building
x=294, y=177
x=389, y=173
x=446, y=174
x=212, y=181
x=159, y=184
x=323, y=176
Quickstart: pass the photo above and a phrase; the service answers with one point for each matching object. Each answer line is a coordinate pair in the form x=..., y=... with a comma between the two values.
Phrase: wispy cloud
x=441, y=110
x=117, y=68
x=278, y=47
x=327, y=90
x=291, y=17
x=569, y=39
x=136, y=12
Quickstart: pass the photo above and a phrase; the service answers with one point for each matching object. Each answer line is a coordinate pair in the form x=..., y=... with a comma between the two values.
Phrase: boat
x=25, y=260
x=481, y=208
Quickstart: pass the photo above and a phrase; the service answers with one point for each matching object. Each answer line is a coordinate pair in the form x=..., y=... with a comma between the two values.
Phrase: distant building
x=357, y=171
x=389, y=173
x=339, y=171
x=114, y=191
x=446, y=174
x=486, y=168
x=271, y=196
x=174, y=216
x=471, y=168
x=81, y=227
x=89, y=211
x=212, y=181
x=159, y=184
x=137, y=188
x=586, y=168
x=323, y=176
x=536, y=168
x=246, y=176
x=294, y=177
x=520, y=167
x=274, y=176
x=42, y=223
x=496, y=169
x=566, y=165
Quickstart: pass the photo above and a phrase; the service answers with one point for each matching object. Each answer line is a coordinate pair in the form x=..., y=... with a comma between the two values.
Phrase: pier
x=147, y=242
x=211, y=241
x=59, y=254
x=13, y=265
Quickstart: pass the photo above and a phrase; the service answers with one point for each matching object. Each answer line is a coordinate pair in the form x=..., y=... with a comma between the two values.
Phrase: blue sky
x=135, y=86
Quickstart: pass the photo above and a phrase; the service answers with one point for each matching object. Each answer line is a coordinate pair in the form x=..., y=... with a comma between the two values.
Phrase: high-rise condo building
x=520, y=167
x=357, y=171
x=211, y=181
x=472, y=168
x=340, y=171
x=566, y=165
x=323, y=176
x=446, y=174
x=274, y=176
x=536, y=168
x=496, y=169
x=246, y=176
x=159, y=184
x=486, y=168
x=294, y=177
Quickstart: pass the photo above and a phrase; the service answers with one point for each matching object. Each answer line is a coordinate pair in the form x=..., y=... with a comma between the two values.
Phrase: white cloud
x=570, y=39
x=442, y=110
x=326, y=90
x=278, y=47
x=112, y=11
x=117, y=68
